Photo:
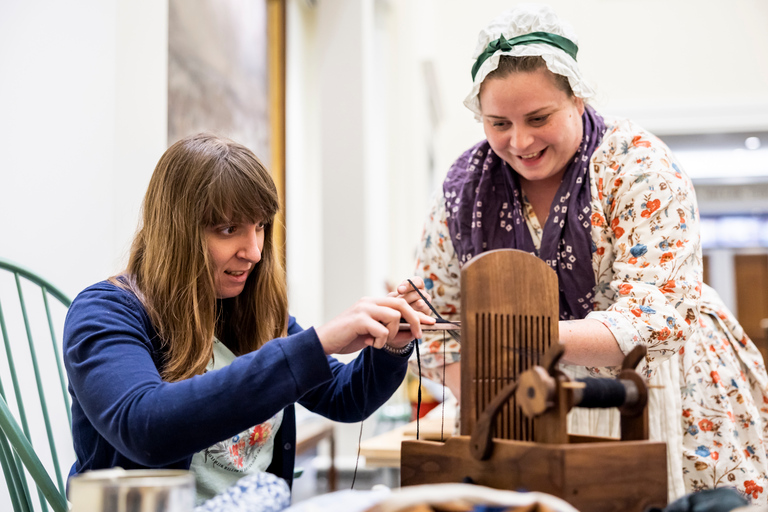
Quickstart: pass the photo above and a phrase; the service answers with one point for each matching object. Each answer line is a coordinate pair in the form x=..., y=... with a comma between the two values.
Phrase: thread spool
x=605, y=393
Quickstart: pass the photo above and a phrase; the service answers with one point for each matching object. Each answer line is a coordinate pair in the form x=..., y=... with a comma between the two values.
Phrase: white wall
x=337, y=188
x=82, y=123
x=83, y=95
x=304, y=259
x=141, y=112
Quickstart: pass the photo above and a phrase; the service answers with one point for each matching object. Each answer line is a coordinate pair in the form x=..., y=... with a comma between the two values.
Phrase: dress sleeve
x=651, y=225
x=438, y=265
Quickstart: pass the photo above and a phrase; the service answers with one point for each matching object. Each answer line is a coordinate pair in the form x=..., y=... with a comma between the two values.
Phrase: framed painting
x=226, y=75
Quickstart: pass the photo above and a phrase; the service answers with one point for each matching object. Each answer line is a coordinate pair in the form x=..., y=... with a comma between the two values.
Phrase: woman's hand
x=372, y=322
x=405, y=291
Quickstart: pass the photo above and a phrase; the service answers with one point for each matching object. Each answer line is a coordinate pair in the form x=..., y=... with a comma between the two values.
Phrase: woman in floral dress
x=608, y=207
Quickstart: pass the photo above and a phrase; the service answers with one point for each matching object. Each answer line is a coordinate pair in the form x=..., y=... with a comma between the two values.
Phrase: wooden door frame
x=276, y=28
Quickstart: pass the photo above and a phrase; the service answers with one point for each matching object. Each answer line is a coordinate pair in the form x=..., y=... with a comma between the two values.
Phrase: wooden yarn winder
x=514, y=402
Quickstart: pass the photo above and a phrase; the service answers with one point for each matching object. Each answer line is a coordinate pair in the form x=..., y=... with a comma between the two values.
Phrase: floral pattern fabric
x=709, y=388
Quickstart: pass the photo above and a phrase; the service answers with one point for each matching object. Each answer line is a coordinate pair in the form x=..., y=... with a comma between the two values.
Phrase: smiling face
x=234, y=249
x=532, y=124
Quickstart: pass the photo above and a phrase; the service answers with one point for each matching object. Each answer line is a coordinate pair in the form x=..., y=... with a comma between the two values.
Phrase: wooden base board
x=593, y=477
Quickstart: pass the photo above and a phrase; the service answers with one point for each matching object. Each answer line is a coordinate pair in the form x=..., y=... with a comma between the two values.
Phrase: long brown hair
x=203, y=181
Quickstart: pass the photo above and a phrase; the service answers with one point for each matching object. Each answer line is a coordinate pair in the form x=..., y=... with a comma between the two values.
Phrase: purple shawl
x=484, y=207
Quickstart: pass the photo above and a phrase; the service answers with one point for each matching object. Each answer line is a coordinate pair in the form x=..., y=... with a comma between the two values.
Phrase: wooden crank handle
x=634, y=357
x=481, y=443
x=552, y=356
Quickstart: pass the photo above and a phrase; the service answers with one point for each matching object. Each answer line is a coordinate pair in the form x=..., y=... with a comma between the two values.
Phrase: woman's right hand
x=372, y=322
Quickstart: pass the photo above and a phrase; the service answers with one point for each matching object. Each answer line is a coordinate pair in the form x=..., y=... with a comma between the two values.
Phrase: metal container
x=118, y=490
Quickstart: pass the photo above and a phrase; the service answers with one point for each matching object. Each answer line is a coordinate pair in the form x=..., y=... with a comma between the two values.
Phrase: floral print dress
x=709, y=389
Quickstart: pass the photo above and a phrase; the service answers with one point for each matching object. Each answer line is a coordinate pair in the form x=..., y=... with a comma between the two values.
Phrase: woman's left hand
x=405, y=291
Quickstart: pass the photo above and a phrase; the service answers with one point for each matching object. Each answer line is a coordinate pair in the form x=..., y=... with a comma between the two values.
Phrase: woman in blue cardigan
x=189, y=358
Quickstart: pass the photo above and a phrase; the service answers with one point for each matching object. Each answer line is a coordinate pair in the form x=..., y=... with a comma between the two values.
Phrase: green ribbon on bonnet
x=504, y=45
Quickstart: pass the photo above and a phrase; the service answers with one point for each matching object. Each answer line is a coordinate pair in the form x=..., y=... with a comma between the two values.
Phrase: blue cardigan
x=124, y=414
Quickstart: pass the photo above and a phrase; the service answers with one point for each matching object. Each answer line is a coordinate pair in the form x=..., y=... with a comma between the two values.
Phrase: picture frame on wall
x=226, y=75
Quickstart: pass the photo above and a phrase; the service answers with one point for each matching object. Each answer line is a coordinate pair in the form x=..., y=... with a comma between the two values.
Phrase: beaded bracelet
x=399, y=351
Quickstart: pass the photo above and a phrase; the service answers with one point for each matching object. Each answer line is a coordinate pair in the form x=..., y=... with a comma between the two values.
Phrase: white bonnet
x=524, y=19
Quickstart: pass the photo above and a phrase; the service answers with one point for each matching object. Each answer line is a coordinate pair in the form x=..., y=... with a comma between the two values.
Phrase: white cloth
x=524, y=19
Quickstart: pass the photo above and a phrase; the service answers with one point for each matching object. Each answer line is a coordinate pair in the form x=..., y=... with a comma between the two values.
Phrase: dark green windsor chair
x=27, y=365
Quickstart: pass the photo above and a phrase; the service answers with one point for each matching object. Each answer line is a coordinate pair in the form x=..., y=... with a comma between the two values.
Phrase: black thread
x=453, y=335
x=602, y=393
x=357, y=460
x=418, y=394
x=442, y=416
x=440, y=319
x=365, y=410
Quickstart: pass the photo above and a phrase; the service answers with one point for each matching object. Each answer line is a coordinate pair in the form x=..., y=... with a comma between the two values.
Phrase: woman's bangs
x=237, y=196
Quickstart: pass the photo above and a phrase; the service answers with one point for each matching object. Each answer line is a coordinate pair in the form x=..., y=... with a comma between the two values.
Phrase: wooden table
x=383, y=451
